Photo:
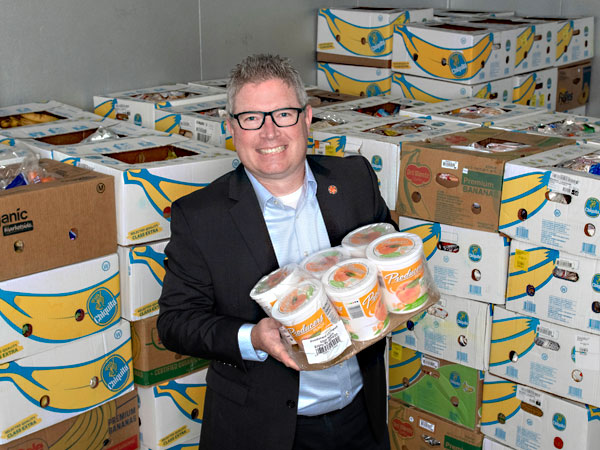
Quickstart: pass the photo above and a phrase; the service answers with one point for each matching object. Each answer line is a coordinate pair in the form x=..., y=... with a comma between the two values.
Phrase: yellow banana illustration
x=522, y=197
x=409, y=90
x=563, y=39
x=338, y=82
x=168, y=124
x=229, y=145
x=430, y=234
x=406, y=370
x=333, y=146
x=541, y=263
x=485, y=91
x=153, y=260
x=188, y=398
x=62, y=317
x=593, y=413
x=525, y=92
x=524, y=44
x=11, y=142
x=107, y=109
x=499, y=399
x=443, y=62
x=512, y=336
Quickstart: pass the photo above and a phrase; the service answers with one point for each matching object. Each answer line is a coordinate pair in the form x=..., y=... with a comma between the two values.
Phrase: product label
x=21, y=426
x=10, y=349
x=102, y=306
x=115, y=373
x=146, y=309
x=481, y=183
x=174, y=436
x=326, y=346
x=145, y=231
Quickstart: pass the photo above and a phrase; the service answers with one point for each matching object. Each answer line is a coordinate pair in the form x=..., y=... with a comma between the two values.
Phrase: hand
x=265, y=337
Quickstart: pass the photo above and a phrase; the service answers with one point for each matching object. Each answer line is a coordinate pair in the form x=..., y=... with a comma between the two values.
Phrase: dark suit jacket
x=219, y=249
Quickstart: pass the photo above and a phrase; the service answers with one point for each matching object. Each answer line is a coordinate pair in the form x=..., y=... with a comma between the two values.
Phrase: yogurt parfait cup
x=318, y=263
x=357, y=241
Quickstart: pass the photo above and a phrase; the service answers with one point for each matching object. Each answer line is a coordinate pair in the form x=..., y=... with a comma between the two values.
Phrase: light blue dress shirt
x=296, y=233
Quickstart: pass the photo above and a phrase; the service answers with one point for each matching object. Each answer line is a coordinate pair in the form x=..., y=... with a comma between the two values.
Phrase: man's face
x=274, y=155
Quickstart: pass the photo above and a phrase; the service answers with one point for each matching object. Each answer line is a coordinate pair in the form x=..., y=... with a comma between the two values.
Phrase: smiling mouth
x=271, y=151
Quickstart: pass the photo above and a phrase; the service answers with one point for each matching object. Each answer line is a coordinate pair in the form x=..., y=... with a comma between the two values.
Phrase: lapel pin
x=332, y=189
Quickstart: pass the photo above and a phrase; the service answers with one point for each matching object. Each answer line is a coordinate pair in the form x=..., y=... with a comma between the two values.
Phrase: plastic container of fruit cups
x=318, y=263
x=399, y=258
x=357, y=241
x=353, y=288
x=312, y=321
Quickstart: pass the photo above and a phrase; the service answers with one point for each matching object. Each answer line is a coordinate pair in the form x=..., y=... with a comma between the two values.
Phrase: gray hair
x=261, y=67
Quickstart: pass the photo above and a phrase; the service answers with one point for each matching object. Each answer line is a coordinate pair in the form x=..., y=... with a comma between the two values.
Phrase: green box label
x=481, y=183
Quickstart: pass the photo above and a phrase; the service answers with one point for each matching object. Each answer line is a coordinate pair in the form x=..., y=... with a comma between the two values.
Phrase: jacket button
x=291, y=404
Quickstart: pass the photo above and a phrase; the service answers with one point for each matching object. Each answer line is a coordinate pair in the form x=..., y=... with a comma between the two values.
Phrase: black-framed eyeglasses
x=254, y=120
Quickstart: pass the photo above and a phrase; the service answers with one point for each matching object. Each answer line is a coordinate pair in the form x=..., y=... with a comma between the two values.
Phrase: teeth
x=269, y=151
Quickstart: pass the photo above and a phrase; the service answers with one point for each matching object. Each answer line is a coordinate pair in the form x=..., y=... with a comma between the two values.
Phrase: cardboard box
x=555, y=286
x=57, y=384
x=150, y=173
x=62, y=222
x=536, y=88
x=443, y=183
x=578, y=111
x=139, y=105
x=29, y=114
x=448, y=390
x=575, y=40
x=377, y=106
x=548, y=204
x=171, y=412
x=573, y=86
x=489, y=444
x=546, y=356
x=41, y=311
x=152, y=362
x=354, y=80
x=413, y=429
x=468, y=13
x=522, y=417
x=215, y=82
x=318, y=98
x=455, y=329
x=464, y=262
x=191, y=444
x=111, y=426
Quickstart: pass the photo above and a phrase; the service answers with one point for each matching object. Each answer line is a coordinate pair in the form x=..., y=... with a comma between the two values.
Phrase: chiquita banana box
x=550, y=357
x=455, y=329
x=29, y=114
x=521, y=417
x=41, y=311
x=214, y=82
x=43, y=389
x=354, y=80
x=377, y=106
x=150, y=173
x=191, y=444
x=454, y=52
x=432, y=90
x=448, y=390
x=380, y=140
x=552, y=199
x=536, y=89
x=139, y=105
x=554, y=285
x=362, y=32
x=467, y=14
x=574, y=39
x=489, y=444
x=323, y=119
x=464, y=262
x=171, y=412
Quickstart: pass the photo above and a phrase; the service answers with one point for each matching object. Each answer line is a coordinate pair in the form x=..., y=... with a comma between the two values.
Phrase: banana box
x=456, y=179
x=454, y=52
x=322, y=119
x=29, y=114
x=214, y=82
x=524, y=418
x=139, y=105
x=555, y=286
x=354, y=80
x=150, y=173
x=41, y=311
x=191, y=444
x=448, y=390
x=536, y=88
x=413, y=429
x=152, y=362
x=455, y=329
x=489, y=444
x=551, y=200
x=432, y=90
x=203, y=121
x=377, y=106
x=464, y=262
x=574, y=39
x=546, y=356
x=318, y=98
x=361, y=36
x=381, y=141
x=578, y=111
x=467, y=14
x=573, y=86
x=60, y=383
x=111, y=426
x=171, y=412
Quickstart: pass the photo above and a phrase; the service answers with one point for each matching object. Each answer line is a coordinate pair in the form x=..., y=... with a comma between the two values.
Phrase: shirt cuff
x=246, y=348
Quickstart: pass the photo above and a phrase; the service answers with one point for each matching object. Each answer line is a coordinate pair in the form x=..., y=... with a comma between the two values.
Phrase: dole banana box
x=171, y=412
x=536, y=88
x=60, y=383
x=551, y=200
x=449, y=390
x=413, y=429
x=111, y=426
x=138, y=106
x=354, y=80
x=455, y=329
x=29, y=114
x=150, y=173
x=456, y=179
x=41, y=311
x=57, y=223
x=362, y=35
x=546, y=356
x=464, y=262
x=432, y=90
x=554, y=285
x=573, y=86
x=454, y=52
x=524, y=418
x=152, y=362
x=381, y=141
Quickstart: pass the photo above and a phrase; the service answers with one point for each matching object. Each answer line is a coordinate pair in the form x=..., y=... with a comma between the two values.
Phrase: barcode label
x=511, y=372
x=410, y=341
x=500, y=434
x=594, y=324
x=447, y=164
x=574, y=392
x=567, y=264
x=326, y=346
x=588, y=249
x=529, y=307
x=430, y=362
x=462, y=357
x=355, y=311
x=548, y=332
x=563, y=184
x=203, y=137
x=427, y=425
x=522, y=233
x=474, y=290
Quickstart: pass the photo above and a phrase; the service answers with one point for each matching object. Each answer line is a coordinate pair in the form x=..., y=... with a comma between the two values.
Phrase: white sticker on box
x=547, y=332
x=530, y=396
x=427, y=425
x=587, y=351
x=446, y=164
x=430, y=362
x=563, y=184
x=448, y=236
x=567, y=264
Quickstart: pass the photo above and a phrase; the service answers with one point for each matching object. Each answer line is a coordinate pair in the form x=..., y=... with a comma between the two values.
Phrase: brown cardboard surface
x=320, y=97
x=37, y=219
x=111, y=426
x=353, y=60
x=573, y=86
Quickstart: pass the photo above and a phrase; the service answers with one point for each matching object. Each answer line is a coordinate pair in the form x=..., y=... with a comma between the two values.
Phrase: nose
x=269, y=129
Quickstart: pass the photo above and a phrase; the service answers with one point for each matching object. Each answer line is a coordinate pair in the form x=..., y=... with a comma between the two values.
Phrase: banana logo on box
x=404, y=371
x=522, y=193
x=153, y=260
x=7, y=141
x=107, y=109
x=338, y=82
x=485, y=91
x=499, y=398
x=188, y=398
x=409, y=90
x=169, y=123
x=443, y=62
x=563, y=39
x=512, y=336
x=524, y=44
x=430, y=234
x=523, y=281
x=525, y=92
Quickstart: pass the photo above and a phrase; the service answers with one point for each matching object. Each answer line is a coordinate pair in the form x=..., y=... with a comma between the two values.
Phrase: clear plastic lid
x=318, y=263
x=350, y=277
x=358, y=240
x=389, y=249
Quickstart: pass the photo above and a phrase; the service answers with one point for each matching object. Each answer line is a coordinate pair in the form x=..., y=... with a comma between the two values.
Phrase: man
x=275, y=208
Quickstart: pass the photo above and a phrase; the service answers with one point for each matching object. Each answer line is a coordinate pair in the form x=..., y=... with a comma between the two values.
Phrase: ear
x=230, y=127
x=308, y=116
